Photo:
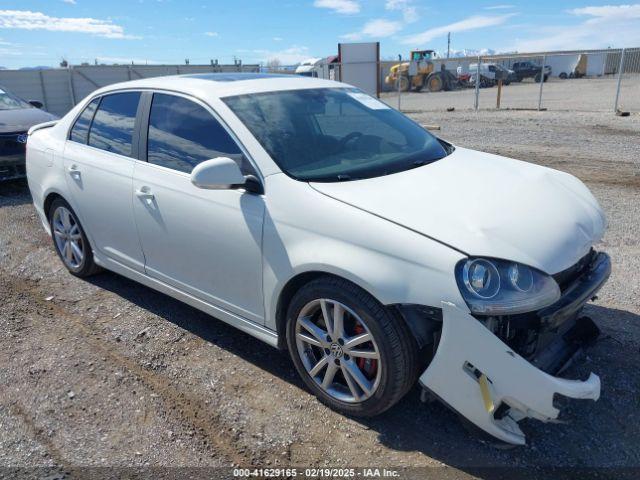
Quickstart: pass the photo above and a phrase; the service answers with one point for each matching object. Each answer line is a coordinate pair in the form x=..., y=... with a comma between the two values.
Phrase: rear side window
x=80, y=130
x=183, y=134
x=113, y=123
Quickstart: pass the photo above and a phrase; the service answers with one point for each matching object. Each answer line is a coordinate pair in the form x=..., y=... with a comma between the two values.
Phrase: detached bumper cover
x=474, y=372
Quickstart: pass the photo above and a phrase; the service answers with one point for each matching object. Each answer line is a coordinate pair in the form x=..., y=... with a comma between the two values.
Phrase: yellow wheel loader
x=420, y=72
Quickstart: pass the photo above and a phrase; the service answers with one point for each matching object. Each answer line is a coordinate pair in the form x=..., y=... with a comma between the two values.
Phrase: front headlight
x=499, y=287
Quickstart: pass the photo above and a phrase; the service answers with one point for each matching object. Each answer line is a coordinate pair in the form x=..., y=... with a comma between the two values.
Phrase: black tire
x=404, y=83
x=87, y=267
x=563, y=76
x=397, y=347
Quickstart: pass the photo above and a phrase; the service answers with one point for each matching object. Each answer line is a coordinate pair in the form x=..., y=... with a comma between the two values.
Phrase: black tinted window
x=112, y=127
x=183, y=134
x=80, y=129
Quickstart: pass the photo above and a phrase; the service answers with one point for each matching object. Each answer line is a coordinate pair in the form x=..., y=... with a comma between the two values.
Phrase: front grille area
x=531, y=333
x=9, y=144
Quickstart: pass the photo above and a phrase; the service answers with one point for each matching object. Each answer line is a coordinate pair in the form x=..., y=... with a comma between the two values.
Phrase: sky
x=43, y=32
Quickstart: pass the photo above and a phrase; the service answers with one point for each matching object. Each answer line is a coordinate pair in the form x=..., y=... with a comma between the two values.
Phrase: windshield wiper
x=342, y=177
x=419, y=163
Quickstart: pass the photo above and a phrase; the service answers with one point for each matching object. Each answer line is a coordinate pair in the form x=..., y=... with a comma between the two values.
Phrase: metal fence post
x=544, y=60
x=44, y=91
x=476, y=102
x=72, y=92
x=398, y=73
x=620, y=68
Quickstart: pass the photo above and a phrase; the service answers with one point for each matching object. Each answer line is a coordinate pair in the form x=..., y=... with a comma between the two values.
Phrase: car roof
x=217, y=85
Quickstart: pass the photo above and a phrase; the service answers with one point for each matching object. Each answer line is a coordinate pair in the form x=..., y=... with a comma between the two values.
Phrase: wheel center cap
x=336, y=350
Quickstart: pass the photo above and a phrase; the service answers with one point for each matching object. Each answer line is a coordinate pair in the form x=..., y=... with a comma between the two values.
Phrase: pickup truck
x=530, y=70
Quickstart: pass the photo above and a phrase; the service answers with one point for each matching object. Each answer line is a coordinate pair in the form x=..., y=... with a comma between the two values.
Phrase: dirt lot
x=107, y=373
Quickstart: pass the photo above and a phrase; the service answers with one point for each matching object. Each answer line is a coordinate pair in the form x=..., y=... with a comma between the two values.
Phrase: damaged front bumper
x=486, y=381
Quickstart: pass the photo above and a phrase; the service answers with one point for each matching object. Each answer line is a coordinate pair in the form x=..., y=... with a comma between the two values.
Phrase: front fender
x=316, y=233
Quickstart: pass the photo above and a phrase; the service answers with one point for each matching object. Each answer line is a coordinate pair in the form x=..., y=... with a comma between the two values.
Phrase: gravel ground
x=106, y=372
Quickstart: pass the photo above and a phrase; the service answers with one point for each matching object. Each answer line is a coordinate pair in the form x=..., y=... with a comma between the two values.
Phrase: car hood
x=486, y=205
x=20, y=120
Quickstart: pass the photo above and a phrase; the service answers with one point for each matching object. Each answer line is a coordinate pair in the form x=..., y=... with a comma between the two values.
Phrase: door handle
x=74, y=171
x=144, y=193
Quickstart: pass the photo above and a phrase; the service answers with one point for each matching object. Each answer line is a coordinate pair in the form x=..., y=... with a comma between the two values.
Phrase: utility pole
x=448, y=44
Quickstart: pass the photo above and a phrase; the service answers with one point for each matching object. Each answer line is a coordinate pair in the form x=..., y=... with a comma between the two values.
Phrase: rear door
x=205, y=242
x=98, y=162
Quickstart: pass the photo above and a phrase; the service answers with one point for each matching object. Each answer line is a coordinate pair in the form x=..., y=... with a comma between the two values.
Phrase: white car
x=318, y=219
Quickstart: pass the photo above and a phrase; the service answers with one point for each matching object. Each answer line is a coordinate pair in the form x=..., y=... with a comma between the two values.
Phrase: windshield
x=329, y=135
x=10, y=102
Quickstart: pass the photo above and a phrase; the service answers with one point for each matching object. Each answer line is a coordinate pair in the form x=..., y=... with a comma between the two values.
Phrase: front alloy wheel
x=338, y=350
x=354, y=354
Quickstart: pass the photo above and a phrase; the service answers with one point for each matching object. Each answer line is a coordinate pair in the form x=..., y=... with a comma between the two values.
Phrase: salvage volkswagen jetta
x=319, y=220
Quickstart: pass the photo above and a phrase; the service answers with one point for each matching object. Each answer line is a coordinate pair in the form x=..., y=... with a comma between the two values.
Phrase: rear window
x=80, y=130
x=114, y=122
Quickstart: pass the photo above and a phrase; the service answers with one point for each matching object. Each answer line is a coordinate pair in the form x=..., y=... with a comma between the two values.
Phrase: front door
x=98, y=166
x=207, y=243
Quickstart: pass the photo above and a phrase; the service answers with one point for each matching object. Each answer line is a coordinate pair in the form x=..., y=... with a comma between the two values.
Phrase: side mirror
x=217, y=174
x=36, y=103
x=222, y=173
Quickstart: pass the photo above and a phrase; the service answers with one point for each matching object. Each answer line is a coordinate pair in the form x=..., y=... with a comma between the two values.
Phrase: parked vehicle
x=16, y=117
x=308, y=68
x=490, y=73
x=319, y=220
x=530, y=70
x=506, y=74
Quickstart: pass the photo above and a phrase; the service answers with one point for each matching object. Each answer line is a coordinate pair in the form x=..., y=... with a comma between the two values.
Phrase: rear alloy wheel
x=354, y=355
x=70, y=241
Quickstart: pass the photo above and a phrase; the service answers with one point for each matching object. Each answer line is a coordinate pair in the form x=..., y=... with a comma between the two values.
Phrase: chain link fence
x=593, y=81
x=590, y=81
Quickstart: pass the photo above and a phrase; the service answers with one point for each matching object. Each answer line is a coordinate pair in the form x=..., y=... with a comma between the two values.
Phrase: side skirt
x=247, y=326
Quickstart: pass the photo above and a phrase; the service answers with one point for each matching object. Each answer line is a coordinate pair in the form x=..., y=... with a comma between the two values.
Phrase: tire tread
x=402, y=345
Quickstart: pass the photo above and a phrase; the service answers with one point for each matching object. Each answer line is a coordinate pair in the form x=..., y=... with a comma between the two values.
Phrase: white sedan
x=320, y=220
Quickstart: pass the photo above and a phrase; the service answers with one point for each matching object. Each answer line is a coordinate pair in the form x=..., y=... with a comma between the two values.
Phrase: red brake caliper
x=367, y=365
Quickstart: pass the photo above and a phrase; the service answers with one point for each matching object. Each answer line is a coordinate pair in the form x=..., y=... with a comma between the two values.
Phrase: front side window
x=114, y=122
x=80, y=130
x=183, y=134
x=329, y=135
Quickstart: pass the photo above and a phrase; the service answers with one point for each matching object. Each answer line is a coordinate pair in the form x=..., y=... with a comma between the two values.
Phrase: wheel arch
x=293, y=285
x=49, y=199
x=50, y=196
x=408, y=314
